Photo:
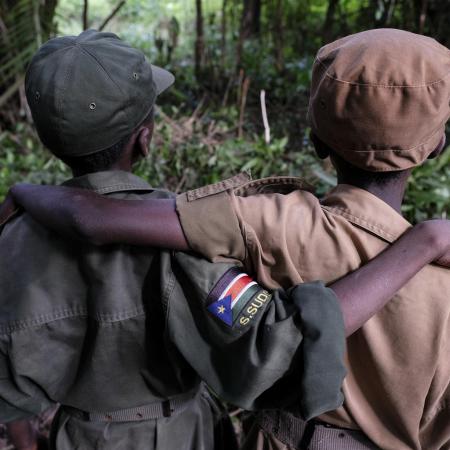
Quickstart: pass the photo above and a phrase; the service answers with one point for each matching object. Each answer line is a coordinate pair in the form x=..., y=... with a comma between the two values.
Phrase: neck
x=126, y=166
x=391, y=191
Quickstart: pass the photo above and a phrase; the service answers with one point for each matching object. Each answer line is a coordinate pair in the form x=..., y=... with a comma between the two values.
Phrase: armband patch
x=236, y=298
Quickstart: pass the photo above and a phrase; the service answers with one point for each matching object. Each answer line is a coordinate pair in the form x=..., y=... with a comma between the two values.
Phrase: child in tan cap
x=379, y=105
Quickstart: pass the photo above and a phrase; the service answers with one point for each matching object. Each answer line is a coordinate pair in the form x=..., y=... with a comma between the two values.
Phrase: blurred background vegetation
x=224, y=53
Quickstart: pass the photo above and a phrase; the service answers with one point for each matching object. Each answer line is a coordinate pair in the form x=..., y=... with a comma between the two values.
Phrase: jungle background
x=227, y=55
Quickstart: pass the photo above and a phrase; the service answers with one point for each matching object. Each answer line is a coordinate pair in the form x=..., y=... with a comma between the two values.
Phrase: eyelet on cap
x=37, y=96
x=135, y=75
x=92, y=106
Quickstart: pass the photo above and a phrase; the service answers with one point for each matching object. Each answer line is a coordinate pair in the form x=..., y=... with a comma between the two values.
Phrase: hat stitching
x=402, y=150
x=107, y=74
x=60, y=102
x=353, y=83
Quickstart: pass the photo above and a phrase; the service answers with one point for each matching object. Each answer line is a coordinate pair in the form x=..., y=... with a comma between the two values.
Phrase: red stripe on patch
x=237, y=286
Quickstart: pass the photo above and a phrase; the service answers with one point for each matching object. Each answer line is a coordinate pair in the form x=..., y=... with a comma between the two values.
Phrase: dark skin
x=22, y=434
x=81, y=214
x=391, y=190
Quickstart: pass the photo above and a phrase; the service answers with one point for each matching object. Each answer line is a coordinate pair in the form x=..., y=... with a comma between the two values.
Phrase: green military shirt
x=121, y=335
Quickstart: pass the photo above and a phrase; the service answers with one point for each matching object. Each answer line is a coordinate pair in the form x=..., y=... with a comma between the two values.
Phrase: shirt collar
x=367, y=211
x=109, y=181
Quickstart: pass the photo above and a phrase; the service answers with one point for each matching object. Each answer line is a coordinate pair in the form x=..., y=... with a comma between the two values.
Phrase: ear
x=143, y=141
x=322, y=150
x=438, y=150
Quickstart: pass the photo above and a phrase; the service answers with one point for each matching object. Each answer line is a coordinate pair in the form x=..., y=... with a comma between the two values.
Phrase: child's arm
x=85, y=215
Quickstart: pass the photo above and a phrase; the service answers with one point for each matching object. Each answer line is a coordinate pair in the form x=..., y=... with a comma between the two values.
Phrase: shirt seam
x=112, y=188
x=26, y=324
x=362, y=221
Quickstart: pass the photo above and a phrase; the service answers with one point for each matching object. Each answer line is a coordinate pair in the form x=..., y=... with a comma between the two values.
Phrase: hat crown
x=386, y=57
x=87, y=92
x=380, y=98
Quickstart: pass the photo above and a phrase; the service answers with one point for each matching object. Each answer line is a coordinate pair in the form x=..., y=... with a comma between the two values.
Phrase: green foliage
x=428, y=193
x=23, y=159
x=187, y=154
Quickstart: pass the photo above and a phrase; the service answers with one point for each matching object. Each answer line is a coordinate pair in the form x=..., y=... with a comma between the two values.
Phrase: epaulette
x=273, y=185
x=243, y=186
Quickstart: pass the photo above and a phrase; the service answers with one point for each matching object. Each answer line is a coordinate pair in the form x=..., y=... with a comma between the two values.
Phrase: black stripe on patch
x=253, y=309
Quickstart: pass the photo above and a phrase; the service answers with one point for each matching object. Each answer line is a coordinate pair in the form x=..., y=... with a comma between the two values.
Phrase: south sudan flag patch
x=232, y=293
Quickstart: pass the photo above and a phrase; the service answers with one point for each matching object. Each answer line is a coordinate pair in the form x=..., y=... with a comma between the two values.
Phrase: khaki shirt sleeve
x=257, y=230
x=272, y=350
x=211, y=226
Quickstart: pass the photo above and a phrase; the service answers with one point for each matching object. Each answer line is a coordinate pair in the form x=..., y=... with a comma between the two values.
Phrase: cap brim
x=162, y=78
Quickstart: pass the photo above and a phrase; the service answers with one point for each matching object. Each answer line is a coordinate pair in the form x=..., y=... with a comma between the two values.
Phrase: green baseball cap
x=89, y=91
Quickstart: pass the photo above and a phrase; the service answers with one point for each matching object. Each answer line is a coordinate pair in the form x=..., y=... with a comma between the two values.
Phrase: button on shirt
x=398, y=387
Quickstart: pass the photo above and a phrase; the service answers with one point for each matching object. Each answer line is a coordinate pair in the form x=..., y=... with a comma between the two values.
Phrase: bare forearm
x=368, y=289
x=82, y=214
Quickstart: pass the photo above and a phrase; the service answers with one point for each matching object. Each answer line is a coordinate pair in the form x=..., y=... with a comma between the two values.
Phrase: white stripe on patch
x=231, y=284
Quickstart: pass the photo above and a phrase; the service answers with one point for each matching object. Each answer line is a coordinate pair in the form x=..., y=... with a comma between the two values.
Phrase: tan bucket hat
x=380, y=98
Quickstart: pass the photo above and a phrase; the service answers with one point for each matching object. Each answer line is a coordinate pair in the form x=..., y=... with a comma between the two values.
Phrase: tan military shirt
x=398, y=386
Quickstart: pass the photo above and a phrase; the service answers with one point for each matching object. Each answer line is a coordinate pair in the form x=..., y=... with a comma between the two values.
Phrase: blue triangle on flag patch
x=222, y=310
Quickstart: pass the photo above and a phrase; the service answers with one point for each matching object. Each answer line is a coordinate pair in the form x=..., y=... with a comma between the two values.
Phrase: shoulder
x=242, y=185
x=240, y=194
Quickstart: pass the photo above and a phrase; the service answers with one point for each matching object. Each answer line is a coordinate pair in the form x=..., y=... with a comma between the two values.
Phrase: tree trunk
x=22, y=30
x=327, y=30
x=223, y=30
x=278, y=35
x=199, y=42
x=250, y=25
x=422, y=16
x=85, y=14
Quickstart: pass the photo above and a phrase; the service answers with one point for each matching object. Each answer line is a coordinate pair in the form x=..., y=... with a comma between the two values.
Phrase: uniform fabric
x=397, y=390
x=380, y=98
x=119, y=327
x=87, y=92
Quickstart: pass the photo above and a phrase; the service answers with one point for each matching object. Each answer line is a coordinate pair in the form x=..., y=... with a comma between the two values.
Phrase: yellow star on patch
x=221, y=309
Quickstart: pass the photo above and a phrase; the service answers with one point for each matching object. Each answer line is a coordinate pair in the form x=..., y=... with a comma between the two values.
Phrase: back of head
x=380, y=98
x=89, y=92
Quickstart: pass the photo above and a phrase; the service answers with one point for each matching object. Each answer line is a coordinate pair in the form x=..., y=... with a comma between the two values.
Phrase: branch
x=245, y=88
x=85, y=14
x=111, y=16
x=264, y=117
x=11, y=91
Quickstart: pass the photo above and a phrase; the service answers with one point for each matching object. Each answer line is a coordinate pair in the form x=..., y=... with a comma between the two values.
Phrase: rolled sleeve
x=211, y=226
